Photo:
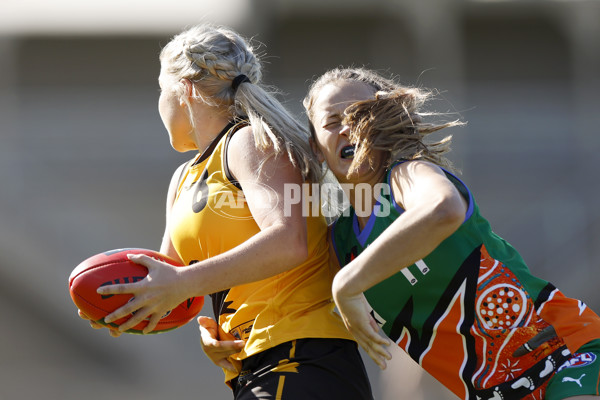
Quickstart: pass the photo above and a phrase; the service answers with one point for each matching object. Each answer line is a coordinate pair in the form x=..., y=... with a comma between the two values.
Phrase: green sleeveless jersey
x=462, y=311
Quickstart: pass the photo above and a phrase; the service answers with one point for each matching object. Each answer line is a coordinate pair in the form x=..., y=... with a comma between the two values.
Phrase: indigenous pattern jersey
x=471, y=313
x=209, y=217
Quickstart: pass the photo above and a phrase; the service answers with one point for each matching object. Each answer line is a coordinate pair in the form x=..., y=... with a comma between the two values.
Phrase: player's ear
x=187, y=90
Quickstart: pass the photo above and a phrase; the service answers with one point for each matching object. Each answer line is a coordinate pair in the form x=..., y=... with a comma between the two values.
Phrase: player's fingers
x=208, y=343
x=223, y=349
x=137, y=318
x=232, y=346
x=226, y=347
x=114, y=332
x=207, y=340
x=372, y=351
x=208, y=324
x=154, y=320
x=371, y=331
x=379, y=339
x=96, y=325
x=380, y=361
x=142, y=259
x=132, y=307
x=375, y=337
x=208, y=333
x=93, y=323
x=205, y=321
x=380, y=351
x=374, y=344
x=122, y=288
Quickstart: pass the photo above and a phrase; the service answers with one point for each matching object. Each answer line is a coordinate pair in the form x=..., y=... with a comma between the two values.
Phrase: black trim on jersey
x=220, y=306
x=211, y=147
x=400, y=322
x=469, y=273
x=544, y=295
x=183, y=168
x=226, y=169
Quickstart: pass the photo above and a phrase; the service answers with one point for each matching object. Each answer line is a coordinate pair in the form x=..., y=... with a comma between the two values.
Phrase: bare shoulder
x=246, y=159
x=242, y=151
x=242, y=138
x=408, y=172
x=412, y=169
x=415, y=177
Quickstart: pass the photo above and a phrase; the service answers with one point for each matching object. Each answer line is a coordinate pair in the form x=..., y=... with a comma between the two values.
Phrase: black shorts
x=305, y=369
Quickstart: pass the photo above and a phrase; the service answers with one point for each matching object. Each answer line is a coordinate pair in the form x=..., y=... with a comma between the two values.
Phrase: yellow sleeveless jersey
x=210, y=217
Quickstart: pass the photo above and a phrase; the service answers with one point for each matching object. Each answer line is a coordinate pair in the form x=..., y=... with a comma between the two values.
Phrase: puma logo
x=577, y=381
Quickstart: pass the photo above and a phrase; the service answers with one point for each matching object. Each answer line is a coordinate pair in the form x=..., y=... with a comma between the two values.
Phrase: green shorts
x=580, y=375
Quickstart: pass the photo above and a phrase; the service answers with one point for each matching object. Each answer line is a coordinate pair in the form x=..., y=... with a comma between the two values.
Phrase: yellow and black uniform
x=209, y=217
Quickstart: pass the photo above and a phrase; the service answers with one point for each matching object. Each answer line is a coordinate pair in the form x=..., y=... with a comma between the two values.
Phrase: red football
x=113, y=267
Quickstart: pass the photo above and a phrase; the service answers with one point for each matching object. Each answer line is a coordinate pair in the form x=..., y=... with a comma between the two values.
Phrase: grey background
x=85, y=160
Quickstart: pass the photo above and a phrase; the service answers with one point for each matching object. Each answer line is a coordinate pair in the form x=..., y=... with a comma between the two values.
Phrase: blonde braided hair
x=211, y=57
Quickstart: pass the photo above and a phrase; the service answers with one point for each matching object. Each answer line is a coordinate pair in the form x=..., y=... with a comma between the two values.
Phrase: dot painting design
x=501, y=306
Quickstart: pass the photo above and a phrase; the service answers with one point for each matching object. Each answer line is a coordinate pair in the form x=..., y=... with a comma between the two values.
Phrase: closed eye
x=332, y=124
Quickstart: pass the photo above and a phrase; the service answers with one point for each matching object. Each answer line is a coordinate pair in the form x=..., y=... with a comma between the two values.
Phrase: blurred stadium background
x=85, y=160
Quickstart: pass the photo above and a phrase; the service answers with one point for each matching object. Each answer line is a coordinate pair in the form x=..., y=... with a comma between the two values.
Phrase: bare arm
x=434, y=209
x=279, y=246
x=281, y=243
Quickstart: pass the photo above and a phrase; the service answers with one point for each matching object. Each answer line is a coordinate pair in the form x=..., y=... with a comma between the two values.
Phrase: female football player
x=265, y=266
x=413, y=245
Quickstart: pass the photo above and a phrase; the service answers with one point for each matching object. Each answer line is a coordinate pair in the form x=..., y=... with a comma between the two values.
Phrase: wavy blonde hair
x=211, y=57
x=392, y=121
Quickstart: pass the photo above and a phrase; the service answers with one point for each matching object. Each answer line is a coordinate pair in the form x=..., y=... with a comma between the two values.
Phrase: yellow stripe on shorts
x=279, y=394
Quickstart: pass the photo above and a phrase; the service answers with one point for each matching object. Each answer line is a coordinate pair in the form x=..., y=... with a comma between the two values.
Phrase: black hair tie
x=238, y=80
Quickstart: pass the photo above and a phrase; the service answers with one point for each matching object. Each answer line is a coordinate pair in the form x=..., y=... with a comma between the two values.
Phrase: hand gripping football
x=113, y=267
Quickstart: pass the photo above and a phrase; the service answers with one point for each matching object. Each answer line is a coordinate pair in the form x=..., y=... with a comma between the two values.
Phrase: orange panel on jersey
x=447, y=345
x=569, y=317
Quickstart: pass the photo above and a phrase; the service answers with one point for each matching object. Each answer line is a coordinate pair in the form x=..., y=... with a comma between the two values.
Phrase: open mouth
x=347, y=152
